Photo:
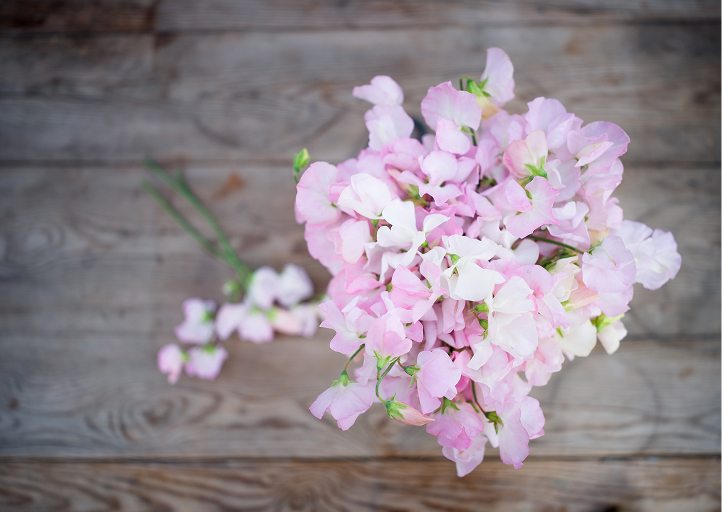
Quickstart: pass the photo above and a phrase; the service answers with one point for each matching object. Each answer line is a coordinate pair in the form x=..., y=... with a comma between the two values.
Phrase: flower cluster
x=470, y=263
x=272, y=302
x=259, y=301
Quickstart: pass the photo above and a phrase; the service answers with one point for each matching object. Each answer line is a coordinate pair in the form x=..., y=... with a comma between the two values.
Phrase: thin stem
x=179, y=185
x=163, y=203
x=354, y=355
x=473, y=390
x=540, y=239
x=379, y=379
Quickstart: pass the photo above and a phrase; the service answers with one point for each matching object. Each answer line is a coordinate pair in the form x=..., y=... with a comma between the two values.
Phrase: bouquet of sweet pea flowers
x=470, y=263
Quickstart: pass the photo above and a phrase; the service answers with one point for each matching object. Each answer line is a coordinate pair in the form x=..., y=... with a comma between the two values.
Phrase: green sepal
x=394, y=407
x=454, y=258
x=603, y=321
x=300, y=161
x=482, y=308
x=411, y=369
x=343, y=379
x=495, y=419
x=381, y=361
x=485, y=324
x=446, y=404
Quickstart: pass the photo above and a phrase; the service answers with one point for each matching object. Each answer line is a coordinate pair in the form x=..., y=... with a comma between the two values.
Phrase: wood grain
x=265, y=95
x=654, y=485
x=99, y=16
x=100, y=395
x=85, y=249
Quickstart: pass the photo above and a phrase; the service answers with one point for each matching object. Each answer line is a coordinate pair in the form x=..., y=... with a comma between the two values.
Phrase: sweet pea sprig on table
x=259, y=301
x=468, y=265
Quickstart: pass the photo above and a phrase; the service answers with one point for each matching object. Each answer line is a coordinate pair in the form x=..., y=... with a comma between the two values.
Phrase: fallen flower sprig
x=468, y=265
x=260, y=301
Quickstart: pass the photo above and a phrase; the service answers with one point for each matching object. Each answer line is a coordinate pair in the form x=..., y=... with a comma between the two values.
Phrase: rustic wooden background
x=92, y=272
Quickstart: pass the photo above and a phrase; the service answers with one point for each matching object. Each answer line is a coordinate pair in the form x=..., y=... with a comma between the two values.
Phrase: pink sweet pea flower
x=251, y=323
x=383, y=90
x=171, y=359
x=387, y=123
x=447, y=111
x=350, y=325
x=466, y=460
x=206, y=362
x=387, y=339
x=263, y=288
x=534, y=212
x=521, y=420
x=456, y=426
x=498, y=82
x=293, y=286
x=345, y=401
x=437, y=377
x=312, y=202
x=527, y=157
x=655, y=256
x=551, y=117
x=609, y=267
x=198, y=326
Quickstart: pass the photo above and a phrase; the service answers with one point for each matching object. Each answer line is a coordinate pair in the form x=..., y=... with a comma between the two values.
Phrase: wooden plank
x=100, y=395
x=42, y=16
x=85, y=249
x=654, y=485
x=266, y=95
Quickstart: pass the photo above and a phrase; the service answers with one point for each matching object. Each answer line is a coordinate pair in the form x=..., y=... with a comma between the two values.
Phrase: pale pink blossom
x=205, y=362
x=345, y=402
x=263, y=288
x=198, y=326
x=522, y=420
x=293, y=286
x=498, y=77
x=312, y=201
x=527, y=157
x=655, y=253
x=456, y=426
x=454, y=110
x=387, y=123
x=171, y=359
x=609, y=267
x=383, y=90
x=436, y=378
x=466, y=460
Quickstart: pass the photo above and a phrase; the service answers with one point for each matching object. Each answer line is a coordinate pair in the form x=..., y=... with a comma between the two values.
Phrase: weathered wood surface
x=650, y=485
x=71, y=237
x=43, y=16
x=92, y=273
x=265, y=95
x=100, y=396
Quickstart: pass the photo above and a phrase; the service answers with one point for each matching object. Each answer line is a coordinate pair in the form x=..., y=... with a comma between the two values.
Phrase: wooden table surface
x=92, y=272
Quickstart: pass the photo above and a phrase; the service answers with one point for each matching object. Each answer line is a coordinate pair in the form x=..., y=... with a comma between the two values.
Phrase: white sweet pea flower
x=366, y=195
x=403, y=233
x=466, y=279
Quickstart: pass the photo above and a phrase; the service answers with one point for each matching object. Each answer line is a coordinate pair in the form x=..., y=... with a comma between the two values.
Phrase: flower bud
x=406, y=414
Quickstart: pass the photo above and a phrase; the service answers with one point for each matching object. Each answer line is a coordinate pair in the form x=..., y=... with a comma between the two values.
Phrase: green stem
x=163, y=203
x=540, y=239
x=354, y=355
x=379, y=379
x=473, y=390
x=179, y=185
